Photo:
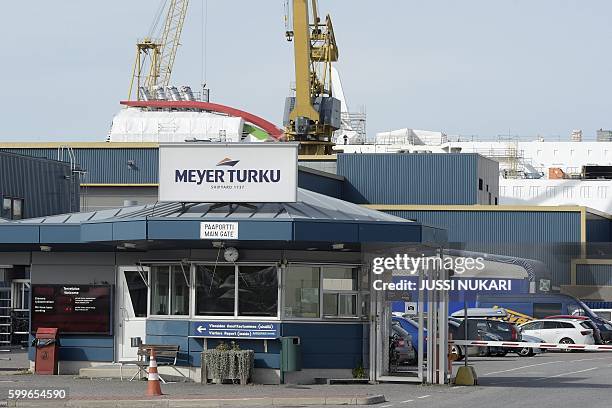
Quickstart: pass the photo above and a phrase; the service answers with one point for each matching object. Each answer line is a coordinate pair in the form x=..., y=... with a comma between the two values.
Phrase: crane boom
x=155, y=58
x=170, y=40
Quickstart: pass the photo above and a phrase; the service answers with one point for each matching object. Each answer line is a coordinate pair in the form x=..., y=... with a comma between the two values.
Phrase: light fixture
x=45, y=248
x=311, y=249
x=217, y=244
x=337, y=246
x=129, y=245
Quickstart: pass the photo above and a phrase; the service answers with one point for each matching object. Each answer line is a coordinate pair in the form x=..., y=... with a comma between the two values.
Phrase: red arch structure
x=268, y=127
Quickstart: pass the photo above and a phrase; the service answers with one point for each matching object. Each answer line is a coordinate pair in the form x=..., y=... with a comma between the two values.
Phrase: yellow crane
x=313, y=114
x=155, y=57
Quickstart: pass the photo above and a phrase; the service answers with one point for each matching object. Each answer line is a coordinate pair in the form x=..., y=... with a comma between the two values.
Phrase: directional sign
x=235, y=330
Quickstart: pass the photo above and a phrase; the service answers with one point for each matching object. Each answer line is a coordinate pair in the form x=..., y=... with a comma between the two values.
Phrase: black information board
x=73, y=309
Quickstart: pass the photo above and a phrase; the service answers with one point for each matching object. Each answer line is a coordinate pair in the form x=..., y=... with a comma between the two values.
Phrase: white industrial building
x=536, y=172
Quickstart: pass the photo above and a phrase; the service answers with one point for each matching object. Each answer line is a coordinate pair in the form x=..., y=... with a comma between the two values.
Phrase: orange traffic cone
x=153, y=383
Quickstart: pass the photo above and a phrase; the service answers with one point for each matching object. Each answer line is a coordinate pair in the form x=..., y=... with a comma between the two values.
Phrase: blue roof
x=313, y=218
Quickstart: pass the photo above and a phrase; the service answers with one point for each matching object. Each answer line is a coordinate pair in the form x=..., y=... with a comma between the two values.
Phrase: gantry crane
x=155, y=57
x=313, y=114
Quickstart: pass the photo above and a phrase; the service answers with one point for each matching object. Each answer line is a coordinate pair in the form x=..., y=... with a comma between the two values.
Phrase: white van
x=605, y=314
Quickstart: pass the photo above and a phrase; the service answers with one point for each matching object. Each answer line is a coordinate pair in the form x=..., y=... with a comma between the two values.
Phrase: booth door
x=132, y=284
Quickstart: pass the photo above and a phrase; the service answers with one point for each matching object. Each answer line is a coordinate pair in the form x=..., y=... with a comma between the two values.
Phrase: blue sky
x=470, y=67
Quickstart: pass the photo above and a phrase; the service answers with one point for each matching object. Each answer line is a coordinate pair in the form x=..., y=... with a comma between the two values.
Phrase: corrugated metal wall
x=488, y=172
x=594, y=275
x=47, y=187
x=410, y=178
x=108, y=166
x=598, y=228
x=548, y=236
x=111, y=166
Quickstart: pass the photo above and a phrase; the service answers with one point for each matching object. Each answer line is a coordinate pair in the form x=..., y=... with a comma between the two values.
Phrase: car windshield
x=500, y=326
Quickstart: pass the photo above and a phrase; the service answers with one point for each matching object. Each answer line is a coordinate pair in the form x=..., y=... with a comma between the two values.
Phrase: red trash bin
x=47, y=351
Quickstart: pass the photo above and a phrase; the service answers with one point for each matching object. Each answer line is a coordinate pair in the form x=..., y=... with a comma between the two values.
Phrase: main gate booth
x=194, y=274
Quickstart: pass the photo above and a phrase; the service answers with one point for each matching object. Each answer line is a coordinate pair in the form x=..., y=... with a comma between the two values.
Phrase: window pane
x=215, y=290
x=301, y=291
x=180, y=291
x=330, y=304
x=6, y=208
x=551, y=325
x=138, y=292
x=160, y=276
x=257, y=291
x=348, y=304
x=365, y=304
x=17, y=209
x=339, y=278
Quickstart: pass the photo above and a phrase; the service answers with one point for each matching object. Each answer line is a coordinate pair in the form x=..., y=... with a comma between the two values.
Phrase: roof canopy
x=313, y=218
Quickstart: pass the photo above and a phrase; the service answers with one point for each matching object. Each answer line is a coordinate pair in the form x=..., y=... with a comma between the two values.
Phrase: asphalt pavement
x=550, y=380
x=556, y=380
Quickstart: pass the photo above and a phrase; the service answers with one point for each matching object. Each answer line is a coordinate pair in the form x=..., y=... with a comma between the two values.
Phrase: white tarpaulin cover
x=136, y=125
x=411, y=136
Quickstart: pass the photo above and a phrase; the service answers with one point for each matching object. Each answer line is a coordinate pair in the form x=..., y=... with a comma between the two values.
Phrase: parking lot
x=547, y=380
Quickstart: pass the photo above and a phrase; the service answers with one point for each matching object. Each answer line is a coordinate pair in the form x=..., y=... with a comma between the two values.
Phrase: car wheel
x=566, y=340
x=525, y=352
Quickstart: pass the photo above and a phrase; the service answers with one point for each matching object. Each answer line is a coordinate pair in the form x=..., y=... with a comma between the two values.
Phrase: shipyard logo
x=228, y=162
x=224, y=178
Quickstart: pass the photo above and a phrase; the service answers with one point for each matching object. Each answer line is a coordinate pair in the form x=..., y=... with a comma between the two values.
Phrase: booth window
x=6, y=209
x=340, y=292
x=170, y=290
x=236, y=290
x=330, y=292
x=179, y=290
x=257, y=291
x=12, y=208
x=17, y=208
x=215, y=290
x=302, y=291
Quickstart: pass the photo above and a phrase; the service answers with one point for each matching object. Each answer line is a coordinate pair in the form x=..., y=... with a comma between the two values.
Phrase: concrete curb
x=198, y=402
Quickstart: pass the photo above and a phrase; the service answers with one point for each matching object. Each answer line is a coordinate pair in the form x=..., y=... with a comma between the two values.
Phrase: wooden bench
x=165, y=355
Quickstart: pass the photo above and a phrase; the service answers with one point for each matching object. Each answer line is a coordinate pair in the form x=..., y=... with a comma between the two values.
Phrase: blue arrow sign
x=235, y=330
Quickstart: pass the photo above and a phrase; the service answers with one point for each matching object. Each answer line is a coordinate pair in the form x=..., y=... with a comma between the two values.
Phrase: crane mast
x=155, y=57
x=313, y=114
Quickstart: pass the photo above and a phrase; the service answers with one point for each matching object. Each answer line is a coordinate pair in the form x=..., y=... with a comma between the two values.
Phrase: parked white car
x=563, y=331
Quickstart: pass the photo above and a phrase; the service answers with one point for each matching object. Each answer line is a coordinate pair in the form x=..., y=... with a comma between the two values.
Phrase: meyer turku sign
x=228, y=172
